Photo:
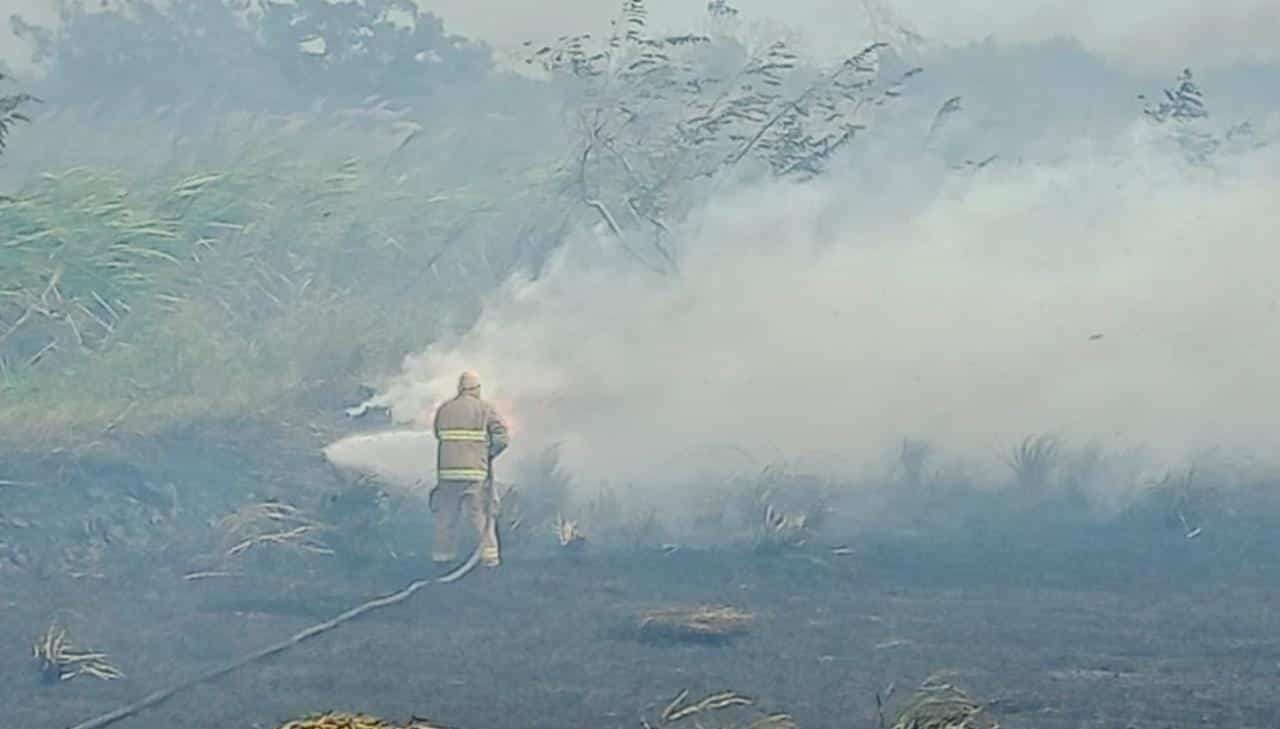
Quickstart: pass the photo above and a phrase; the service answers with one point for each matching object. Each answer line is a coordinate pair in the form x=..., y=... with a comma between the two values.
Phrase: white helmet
x=468, y=382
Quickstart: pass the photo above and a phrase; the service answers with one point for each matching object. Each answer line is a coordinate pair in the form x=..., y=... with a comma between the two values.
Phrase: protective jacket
x=469, y=434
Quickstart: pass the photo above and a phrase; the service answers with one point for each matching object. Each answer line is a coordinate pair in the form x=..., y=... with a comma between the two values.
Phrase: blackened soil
x=1174, y=635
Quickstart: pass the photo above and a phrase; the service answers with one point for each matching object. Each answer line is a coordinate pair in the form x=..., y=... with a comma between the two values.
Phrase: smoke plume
x=1121, y=296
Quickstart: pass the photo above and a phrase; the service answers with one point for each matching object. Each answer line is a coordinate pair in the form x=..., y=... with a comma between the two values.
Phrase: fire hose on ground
x=408, y=591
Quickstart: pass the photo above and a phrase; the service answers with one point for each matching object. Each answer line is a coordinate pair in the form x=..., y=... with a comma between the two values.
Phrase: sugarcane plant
x=11, y=113
x=1181, y=109
x=655, y=116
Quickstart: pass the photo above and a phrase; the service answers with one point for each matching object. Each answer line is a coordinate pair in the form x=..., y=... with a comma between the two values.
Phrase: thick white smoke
x=1128, y=298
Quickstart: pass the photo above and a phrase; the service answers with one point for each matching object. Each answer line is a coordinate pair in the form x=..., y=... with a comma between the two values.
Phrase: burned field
x=132, y=575
x=1146, y=633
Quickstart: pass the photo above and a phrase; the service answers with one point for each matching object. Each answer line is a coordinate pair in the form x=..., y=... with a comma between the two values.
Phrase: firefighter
x=470, y=434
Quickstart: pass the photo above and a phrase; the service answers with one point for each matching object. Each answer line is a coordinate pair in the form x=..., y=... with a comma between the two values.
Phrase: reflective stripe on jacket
x=470, y=434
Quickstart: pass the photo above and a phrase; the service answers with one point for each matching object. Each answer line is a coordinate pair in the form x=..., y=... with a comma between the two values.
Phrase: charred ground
x=1051, y=627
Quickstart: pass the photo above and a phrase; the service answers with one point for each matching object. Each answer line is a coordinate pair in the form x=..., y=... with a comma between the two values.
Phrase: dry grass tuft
x=569, y=535
x=723, y=710
x=261, y=525
x=700, y=623
x=334, y=720
x=939, y=705
x=59, y=661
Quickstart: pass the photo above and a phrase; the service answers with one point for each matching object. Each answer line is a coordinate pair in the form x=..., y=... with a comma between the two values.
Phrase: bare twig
x=208, y=574
x=35, y=358
x=34, y=307
x=120, y=418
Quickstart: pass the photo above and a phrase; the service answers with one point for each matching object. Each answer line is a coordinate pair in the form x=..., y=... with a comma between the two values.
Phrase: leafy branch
x=1182, y=108
x=656, y=114
x=1182, y=103
x=11, y=113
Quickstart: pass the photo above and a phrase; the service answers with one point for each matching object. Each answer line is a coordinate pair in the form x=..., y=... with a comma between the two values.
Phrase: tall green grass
x=221, y=291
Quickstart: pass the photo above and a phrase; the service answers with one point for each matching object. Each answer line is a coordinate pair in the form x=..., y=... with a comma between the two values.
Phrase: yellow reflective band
x=462, y=474
x=473, y=436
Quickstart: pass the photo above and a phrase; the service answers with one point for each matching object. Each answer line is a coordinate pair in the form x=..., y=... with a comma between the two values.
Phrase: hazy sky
x=1148, y=33
x=1151, y=34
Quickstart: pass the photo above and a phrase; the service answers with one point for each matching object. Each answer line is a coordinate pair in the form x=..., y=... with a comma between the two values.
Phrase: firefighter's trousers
x=448, y=502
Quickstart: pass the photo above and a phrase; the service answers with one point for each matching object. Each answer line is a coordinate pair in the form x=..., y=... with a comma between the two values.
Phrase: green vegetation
x=255, y=270
x=295, y=53
x=11, y=113
x=218, y=292
x=192, y=247
x=654, y=115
